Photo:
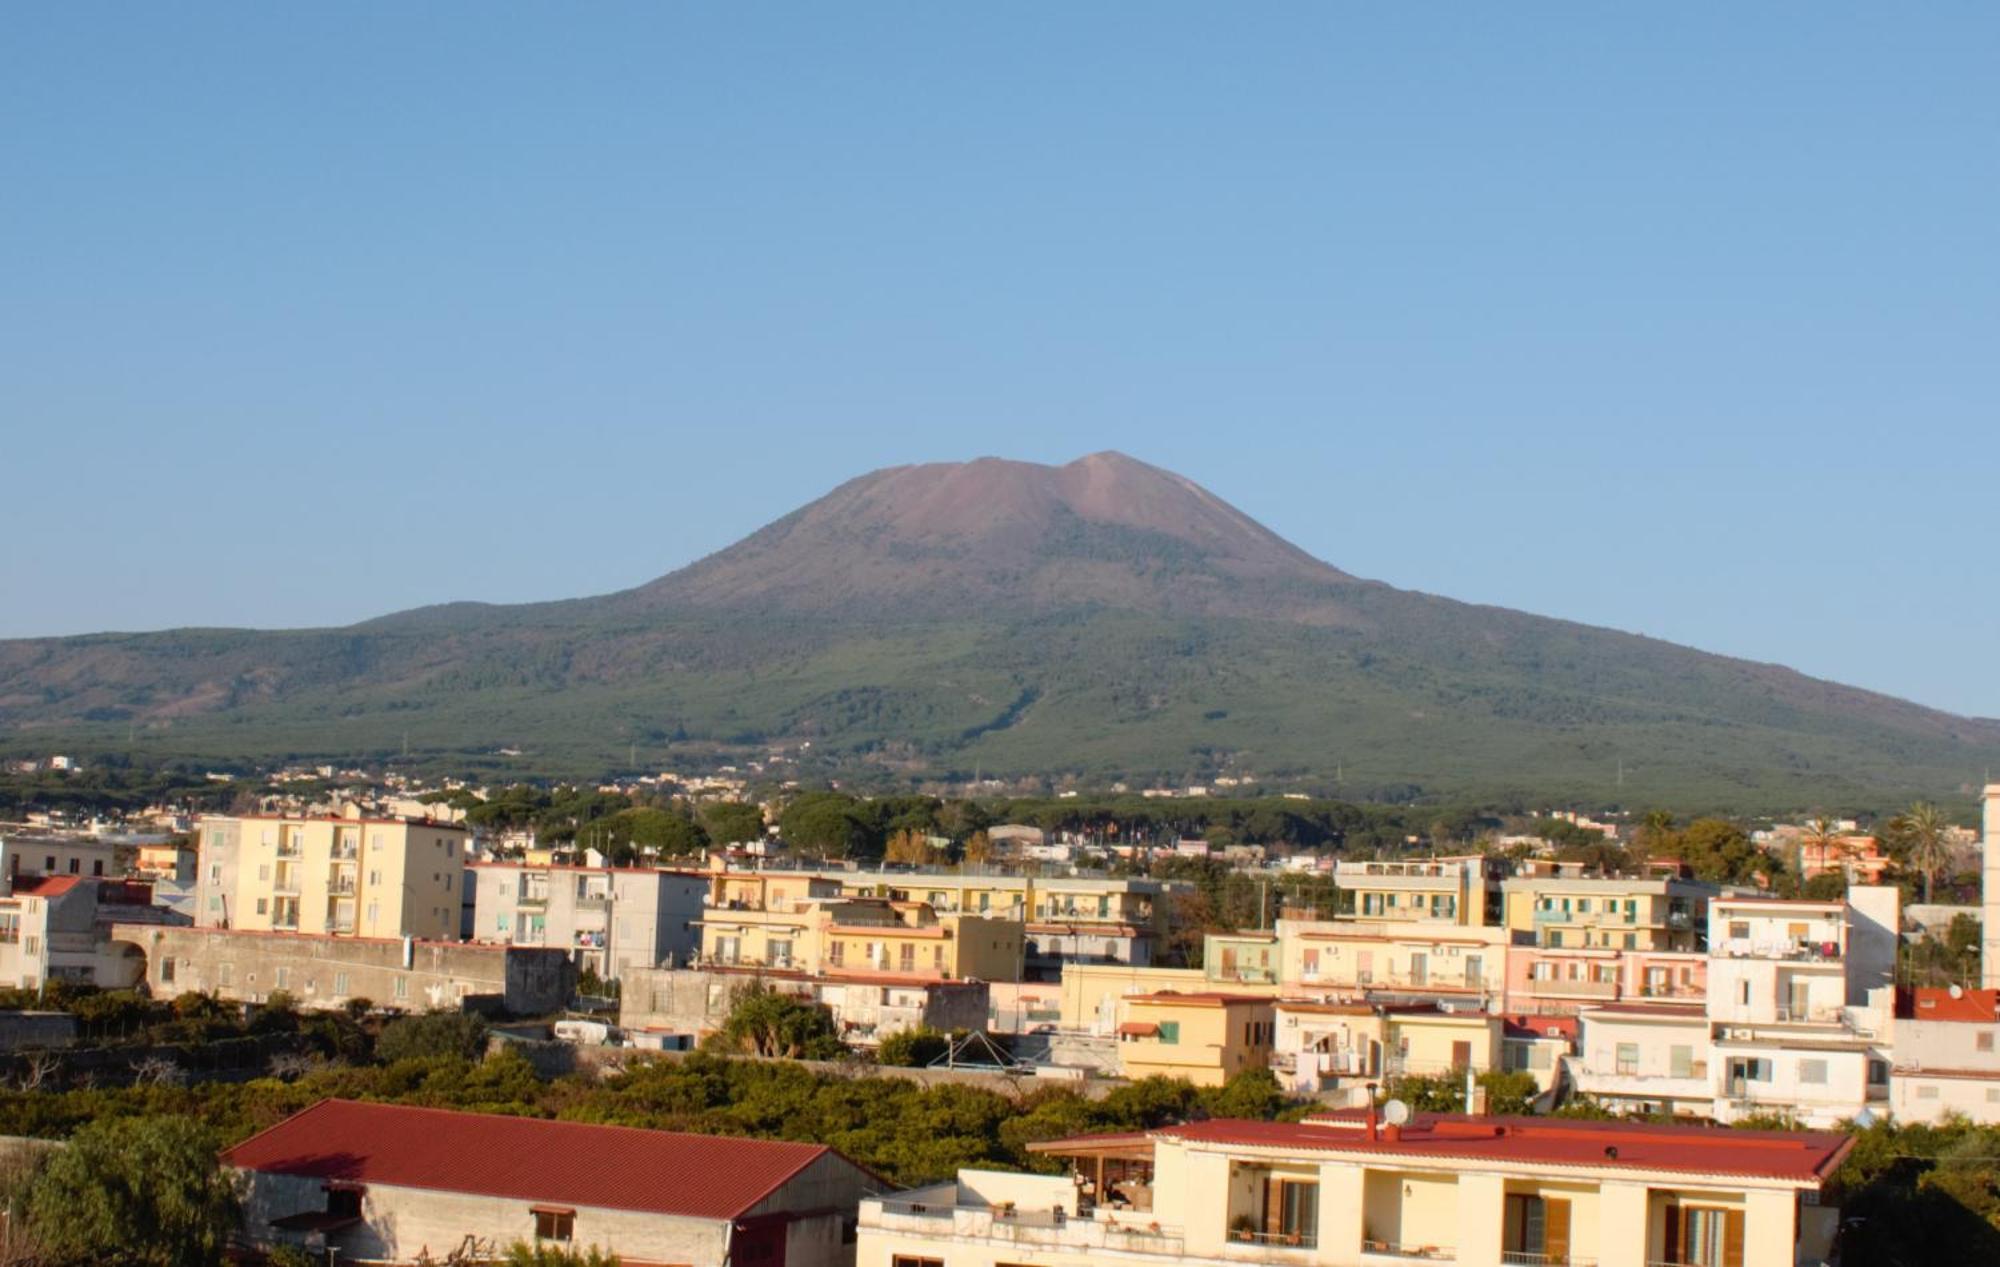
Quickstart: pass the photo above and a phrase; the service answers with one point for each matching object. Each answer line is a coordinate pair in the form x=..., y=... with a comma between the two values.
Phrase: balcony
x=288, y=885
x=592, y=901
x=1822, y=954
x=1376, y=1251
x=1560, y=988
x=1100, y=1229
x=1522, y=1258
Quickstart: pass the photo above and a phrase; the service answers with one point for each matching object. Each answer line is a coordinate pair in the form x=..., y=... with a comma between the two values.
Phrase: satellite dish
x=1395, y=1112
x=1958, y=992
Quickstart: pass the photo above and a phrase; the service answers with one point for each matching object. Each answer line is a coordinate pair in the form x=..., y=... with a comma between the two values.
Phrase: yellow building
x=1206, y=1038
x=342, y=875
x=1461, y=891
x=1576, y=911
x=832, y=935
x=1345, y=1190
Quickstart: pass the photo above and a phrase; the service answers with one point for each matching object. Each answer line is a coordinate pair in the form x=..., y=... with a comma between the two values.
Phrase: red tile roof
x=1790, y=1156
x=526, y=1159
x=45, y=885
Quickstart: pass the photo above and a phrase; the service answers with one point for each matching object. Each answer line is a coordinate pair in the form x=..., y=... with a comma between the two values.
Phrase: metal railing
x=1277, y=1240
x=1431, y=1253
x=1522, y=1258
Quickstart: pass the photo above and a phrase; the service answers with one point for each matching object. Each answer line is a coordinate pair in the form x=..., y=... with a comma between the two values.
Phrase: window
x=1878, y=1073
x=1704, y=1236
x=340, y=983
x=503, y=923
x=225, y=974
x=284, y=977
x=1680, y=1061
x=76, y=866
x=402, y=987
x=263, y=871
x=10, y=928
x=1983, y=1041
x=97, y=867
x=1628, y=1058
x=906, y=958
x=167, y=971
x=554, y=1225
x=901, y=1261
x=1927, y=1092
x=1536, y=1229
x=50, y=865
x=836, y=953
x=1170, y=1031
x=779, y=953
x=1291, y=1212
x=1812, y=1072
x=1739, y=929
x=263, y=906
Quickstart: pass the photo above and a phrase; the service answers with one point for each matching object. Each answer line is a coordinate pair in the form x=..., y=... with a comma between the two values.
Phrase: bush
x=146, y=1191
x=912, y=1048
x=432, y=1035
x=763, y=1022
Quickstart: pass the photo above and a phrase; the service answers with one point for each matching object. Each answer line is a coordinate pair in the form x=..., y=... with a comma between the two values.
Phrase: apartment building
x=1066, y=919
x=1568, y=909
x=609, y=920
x=1558, y=980
x=340, y=875
x=1459, y=891
x=1416, y=961
x=1947, y=1056
x=1233, y=959
x=1343, y=1190
x=1328, y=1046
x=1207, y=1038
x=1796, y=1021
x=831, y=936
x=89, y=856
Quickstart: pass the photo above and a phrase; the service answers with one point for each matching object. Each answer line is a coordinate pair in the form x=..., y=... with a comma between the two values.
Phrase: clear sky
x=1680, y=319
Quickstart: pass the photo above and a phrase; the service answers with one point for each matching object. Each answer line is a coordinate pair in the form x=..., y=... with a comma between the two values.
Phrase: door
x=1419, y=969
x=1461, y=1055
x=1704, y=1236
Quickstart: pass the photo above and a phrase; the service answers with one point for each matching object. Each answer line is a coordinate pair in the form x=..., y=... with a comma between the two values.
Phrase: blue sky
x=1680, y=320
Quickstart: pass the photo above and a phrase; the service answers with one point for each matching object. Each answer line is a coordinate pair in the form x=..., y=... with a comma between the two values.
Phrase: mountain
x=1104, y=618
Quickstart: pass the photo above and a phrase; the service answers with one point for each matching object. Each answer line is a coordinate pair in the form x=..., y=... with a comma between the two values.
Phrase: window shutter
x=1732, y=1238
x=1274, y=1207
x=1671, y=1250
x=1555, y=1228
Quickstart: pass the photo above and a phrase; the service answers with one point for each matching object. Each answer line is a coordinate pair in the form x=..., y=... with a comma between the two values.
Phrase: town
x=1516, y=1053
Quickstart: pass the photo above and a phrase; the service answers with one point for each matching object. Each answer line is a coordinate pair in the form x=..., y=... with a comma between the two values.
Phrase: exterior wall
x=832, y=937
x=1565, y=981
x=1609, y=914
x=63, y=855
x=338, y=876
x=326, y=972
x=1838, y=1087
x=1445, y=1211
x=1452, y=893
x=697, y=1001
x=403, y=1224
x=1232, y=959
x=609, y=919
x=1989, y=892
x=1645, y=1061
x=1919, y=1096
x=1435, y=1043
x=1211, y=1041
x=1091, y=992
x=1324, y=957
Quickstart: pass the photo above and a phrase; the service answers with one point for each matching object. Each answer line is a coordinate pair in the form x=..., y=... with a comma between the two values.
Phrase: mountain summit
x=1104, y=529
x=1104, y=619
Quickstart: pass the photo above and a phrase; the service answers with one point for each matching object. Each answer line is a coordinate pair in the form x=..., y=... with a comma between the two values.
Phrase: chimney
x=1373, y=1133
x=1393, y=1132
x=1989, y=893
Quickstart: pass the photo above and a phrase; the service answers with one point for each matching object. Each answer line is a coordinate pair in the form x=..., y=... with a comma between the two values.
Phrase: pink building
x=1550, y=979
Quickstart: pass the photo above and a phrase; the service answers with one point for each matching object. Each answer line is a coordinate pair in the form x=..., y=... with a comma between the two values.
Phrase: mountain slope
x=1104, y=617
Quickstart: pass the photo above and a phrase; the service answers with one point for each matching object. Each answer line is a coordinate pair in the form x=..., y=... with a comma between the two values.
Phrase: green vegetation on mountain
x=1098, y=621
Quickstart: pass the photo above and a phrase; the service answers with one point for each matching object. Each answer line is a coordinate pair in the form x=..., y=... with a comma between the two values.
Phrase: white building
x=1947, y=1056
x=610, y=919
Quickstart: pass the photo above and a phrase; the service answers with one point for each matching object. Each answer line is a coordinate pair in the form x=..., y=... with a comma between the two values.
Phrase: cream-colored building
x=1344, y=1191
x=1353, y=959
x=337, y=875
x=1460, y=891
x=1326, y=1045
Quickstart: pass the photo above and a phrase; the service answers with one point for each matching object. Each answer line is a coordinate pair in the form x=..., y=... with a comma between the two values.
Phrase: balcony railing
x=1099, y=1230
x=1565, y=988
x=1393, y=1249
x=1277, y=1240
x=1521, y=1258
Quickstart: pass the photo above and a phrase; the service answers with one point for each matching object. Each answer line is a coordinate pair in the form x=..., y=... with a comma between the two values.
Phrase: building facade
x=344, y=876
x=609, y=920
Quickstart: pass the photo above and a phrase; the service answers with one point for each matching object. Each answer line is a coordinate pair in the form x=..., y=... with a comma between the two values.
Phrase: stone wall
x=327, y=972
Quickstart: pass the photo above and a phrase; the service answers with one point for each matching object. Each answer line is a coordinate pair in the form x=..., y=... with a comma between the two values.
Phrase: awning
x=1138, y=1029
x=315, y=1221
x=551, y=1209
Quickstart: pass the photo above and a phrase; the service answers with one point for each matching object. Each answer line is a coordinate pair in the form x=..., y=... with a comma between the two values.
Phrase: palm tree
x=1924, y=827
x=1822, y=834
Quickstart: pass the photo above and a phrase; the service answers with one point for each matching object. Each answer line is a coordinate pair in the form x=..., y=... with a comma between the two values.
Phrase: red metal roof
x=526, y=1159
x=1965, y=1005
x=1792, y=1156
